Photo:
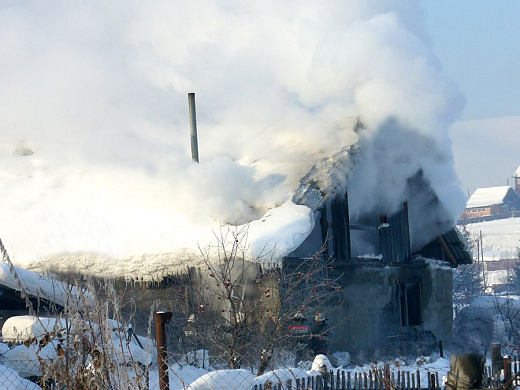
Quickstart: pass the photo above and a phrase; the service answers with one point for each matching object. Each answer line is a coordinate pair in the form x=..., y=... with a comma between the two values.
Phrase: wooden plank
x=507, y=371
x=515, y=372
x=418, y=379
x=407, y=380
x=413, y=381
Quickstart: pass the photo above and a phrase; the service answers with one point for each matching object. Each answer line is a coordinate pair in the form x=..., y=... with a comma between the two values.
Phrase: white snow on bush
x=321, y=361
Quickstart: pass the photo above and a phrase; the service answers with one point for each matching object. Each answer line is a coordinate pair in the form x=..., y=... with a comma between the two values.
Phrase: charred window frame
x=410, y=302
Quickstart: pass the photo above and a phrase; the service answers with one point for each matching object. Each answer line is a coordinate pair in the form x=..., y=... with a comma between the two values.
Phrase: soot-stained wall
x=392, y=309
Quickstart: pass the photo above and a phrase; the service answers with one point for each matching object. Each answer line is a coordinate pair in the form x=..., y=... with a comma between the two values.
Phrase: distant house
x=491, y=203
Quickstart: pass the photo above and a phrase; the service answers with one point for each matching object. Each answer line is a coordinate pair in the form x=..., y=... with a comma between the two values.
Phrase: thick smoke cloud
x=97, y=91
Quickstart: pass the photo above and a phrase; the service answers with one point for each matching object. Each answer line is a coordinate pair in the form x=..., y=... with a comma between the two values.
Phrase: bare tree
x=241, y=305
x=468, y=279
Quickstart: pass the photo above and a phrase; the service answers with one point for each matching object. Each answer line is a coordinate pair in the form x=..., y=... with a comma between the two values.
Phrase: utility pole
x=482, y=257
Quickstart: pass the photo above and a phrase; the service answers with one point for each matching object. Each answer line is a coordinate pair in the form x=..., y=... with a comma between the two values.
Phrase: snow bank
x=26, y=328
x=26, y=359
x=224, y=379
x=282, y=375
x=319, y=362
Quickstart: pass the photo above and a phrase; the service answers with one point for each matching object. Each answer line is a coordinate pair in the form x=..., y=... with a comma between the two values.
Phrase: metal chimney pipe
x=193, y=128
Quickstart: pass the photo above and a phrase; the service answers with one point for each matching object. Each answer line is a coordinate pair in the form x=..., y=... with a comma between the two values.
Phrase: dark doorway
x=410, y=303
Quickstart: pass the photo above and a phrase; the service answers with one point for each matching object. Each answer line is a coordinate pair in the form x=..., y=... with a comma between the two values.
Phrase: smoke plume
x=95, y=95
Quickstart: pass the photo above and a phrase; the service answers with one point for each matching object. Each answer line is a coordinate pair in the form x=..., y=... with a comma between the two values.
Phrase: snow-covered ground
x=499, y=277
x=11, y=380
x=195, y=378
x=500, y=237
x=22, y=361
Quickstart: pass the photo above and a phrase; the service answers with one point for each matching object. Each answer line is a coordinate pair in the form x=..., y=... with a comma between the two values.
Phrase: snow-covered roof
x=34, y=284
x=25, y=328
x=488, y=196
x=517, y=172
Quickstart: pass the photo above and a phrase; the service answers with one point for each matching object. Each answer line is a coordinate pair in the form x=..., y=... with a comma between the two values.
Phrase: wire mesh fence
x=12, y=375
x=199, y=370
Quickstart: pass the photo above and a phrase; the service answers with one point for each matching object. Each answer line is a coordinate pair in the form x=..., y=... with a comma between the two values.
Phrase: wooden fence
x=370, y=380
x=508, y=377
x=383, y=379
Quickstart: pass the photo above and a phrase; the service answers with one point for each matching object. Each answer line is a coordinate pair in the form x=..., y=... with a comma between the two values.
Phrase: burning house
x=397, y=294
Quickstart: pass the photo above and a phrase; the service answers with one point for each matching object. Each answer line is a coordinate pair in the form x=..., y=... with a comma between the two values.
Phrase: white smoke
x=98, y=91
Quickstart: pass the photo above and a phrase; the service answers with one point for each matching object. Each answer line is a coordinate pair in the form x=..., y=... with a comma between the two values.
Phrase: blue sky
x=478, y=44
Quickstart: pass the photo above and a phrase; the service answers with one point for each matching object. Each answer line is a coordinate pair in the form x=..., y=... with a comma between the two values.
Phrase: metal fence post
x=161, y=319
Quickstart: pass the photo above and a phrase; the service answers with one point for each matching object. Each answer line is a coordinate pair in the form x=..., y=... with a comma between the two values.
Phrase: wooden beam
x=447, y=250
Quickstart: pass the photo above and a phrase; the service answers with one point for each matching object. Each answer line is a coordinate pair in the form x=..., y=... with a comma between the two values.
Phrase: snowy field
x=500, y=237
